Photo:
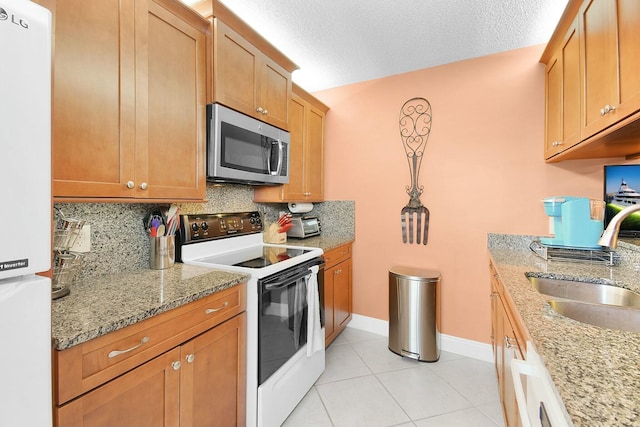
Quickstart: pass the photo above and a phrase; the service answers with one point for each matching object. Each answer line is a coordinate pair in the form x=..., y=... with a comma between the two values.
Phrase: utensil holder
x=163, y=250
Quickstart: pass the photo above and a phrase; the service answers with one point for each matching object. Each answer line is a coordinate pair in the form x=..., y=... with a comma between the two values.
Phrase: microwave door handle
x=280, y=155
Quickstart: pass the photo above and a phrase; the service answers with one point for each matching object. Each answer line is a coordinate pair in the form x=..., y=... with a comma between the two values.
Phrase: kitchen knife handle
x=115, y=353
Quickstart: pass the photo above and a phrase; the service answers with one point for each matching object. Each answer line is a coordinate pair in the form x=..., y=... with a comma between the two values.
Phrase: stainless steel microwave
x=244, y=150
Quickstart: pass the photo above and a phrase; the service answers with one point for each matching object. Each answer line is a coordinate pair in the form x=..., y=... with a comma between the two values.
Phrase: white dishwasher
x=539, y=403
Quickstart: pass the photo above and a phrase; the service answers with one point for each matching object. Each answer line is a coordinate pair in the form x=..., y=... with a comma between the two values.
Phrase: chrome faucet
x=610, y=236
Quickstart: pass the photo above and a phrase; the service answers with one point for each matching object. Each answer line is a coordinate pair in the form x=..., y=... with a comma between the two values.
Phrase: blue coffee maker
x=576, y=222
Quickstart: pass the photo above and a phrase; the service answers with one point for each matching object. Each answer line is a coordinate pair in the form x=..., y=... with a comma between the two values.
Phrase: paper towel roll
x=300, y=207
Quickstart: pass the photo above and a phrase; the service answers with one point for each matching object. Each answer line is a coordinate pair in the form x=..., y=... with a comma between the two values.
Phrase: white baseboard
x=449, y=343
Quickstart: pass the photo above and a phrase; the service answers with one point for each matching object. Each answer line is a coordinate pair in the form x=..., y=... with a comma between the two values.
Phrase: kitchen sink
x=584, y=292
x=605, y=316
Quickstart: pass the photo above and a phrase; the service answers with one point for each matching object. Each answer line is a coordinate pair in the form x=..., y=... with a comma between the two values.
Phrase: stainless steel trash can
x=414, y=313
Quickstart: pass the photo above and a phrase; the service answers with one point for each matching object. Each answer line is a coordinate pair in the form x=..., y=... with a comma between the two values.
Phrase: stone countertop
x=108, y=303
x=325, y=243
x=596, y=370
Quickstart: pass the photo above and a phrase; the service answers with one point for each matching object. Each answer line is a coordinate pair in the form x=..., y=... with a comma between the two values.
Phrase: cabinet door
x=212, y=382
x=171, y=102
x=314, y=155
x=275, y=91
x=295, y=189
x=234, y=70
x=563, y=96
x=145, y=396
x=93, y=116
x=628, y=18
x=329, y=324
x=510, y=351
x=342, y=294
x=600, y=64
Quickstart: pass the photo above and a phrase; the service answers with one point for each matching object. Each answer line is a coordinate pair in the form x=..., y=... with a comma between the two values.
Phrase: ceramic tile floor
x=366, y=385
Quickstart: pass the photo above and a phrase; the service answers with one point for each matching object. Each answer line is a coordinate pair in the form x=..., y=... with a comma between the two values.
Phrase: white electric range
x=285, y=334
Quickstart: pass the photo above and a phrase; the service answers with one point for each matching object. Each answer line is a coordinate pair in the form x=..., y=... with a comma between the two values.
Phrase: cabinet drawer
x=337, y=255
x=90, y=364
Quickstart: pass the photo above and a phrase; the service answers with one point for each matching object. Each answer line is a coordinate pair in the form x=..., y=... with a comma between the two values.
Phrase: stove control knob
x=195, y=227
x=204, y=225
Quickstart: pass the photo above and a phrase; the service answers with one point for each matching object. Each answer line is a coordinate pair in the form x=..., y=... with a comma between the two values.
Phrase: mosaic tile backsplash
x=119, y=242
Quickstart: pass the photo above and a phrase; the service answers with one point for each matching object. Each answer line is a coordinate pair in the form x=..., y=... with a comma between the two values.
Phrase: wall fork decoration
x=415, y=127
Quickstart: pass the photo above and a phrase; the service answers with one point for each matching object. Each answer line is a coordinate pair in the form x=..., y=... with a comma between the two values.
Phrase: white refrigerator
x=25, y=214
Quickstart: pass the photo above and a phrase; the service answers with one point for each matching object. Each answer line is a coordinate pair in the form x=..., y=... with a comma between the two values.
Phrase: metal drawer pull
x=190, y=358
x=175, y=365
x=115, y=353
x=213, y=310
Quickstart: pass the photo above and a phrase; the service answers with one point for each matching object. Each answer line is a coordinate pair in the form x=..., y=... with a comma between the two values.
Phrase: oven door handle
x=286, y=282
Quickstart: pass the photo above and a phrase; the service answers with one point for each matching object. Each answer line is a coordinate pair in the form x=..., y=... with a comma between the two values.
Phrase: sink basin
x=586, y=292
x=605, y=316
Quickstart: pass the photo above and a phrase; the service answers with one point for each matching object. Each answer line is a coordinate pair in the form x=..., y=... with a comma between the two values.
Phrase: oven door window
x=282, y=324
x=248, y=151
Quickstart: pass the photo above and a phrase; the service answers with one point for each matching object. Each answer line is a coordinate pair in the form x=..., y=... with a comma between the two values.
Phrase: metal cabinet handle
x=175, y=365
x=339, y=271
x=259, y=110
x=265, y=112
x=144, y=186
x=607, y=109
x=190, y=358
x=115, y=353
x=556, y=143
x=130, y=184
x=510, y=342
x=214, y=310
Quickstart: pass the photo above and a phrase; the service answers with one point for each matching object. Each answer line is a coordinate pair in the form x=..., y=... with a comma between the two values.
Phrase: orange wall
x=483, y=172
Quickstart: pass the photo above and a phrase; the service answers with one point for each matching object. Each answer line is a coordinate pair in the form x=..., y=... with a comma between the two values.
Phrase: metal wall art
x=415, y=127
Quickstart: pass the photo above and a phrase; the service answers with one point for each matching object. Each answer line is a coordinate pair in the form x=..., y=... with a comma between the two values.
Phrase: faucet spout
x=610, y=236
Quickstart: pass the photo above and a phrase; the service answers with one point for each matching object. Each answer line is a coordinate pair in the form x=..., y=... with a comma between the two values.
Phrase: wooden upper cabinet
x=600, y=65
x=562, y=83
x=608, y=80
x=129, y=99
x=93, y=127
x=247, y=80
x=306, y=153
x=171, y=107
x=611, y=66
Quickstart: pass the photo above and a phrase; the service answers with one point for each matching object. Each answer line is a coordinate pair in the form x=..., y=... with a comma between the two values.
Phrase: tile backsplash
x=119, y=242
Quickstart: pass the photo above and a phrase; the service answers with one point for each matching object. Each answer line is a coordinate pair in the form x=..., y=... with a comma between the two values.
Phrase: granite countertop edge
x=595, y=370
x=106, y=304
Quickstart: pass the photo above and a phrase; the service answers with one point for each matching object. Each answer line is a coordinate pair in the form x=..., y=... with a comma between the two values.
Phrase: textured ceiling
x=339, y=42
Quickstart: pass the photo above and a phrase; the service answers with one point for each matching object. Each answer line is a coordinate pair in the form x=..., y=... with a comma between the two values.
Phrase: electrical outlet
x=83, y=242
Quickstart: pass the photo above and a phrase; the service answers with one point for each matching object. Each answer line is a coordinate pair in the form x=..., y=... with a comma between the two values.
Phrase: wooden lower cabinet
x=183, y=367
x=200, y=383
x=508, y=341
x=212, y=385
x=337, y=291
x=146, y=396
